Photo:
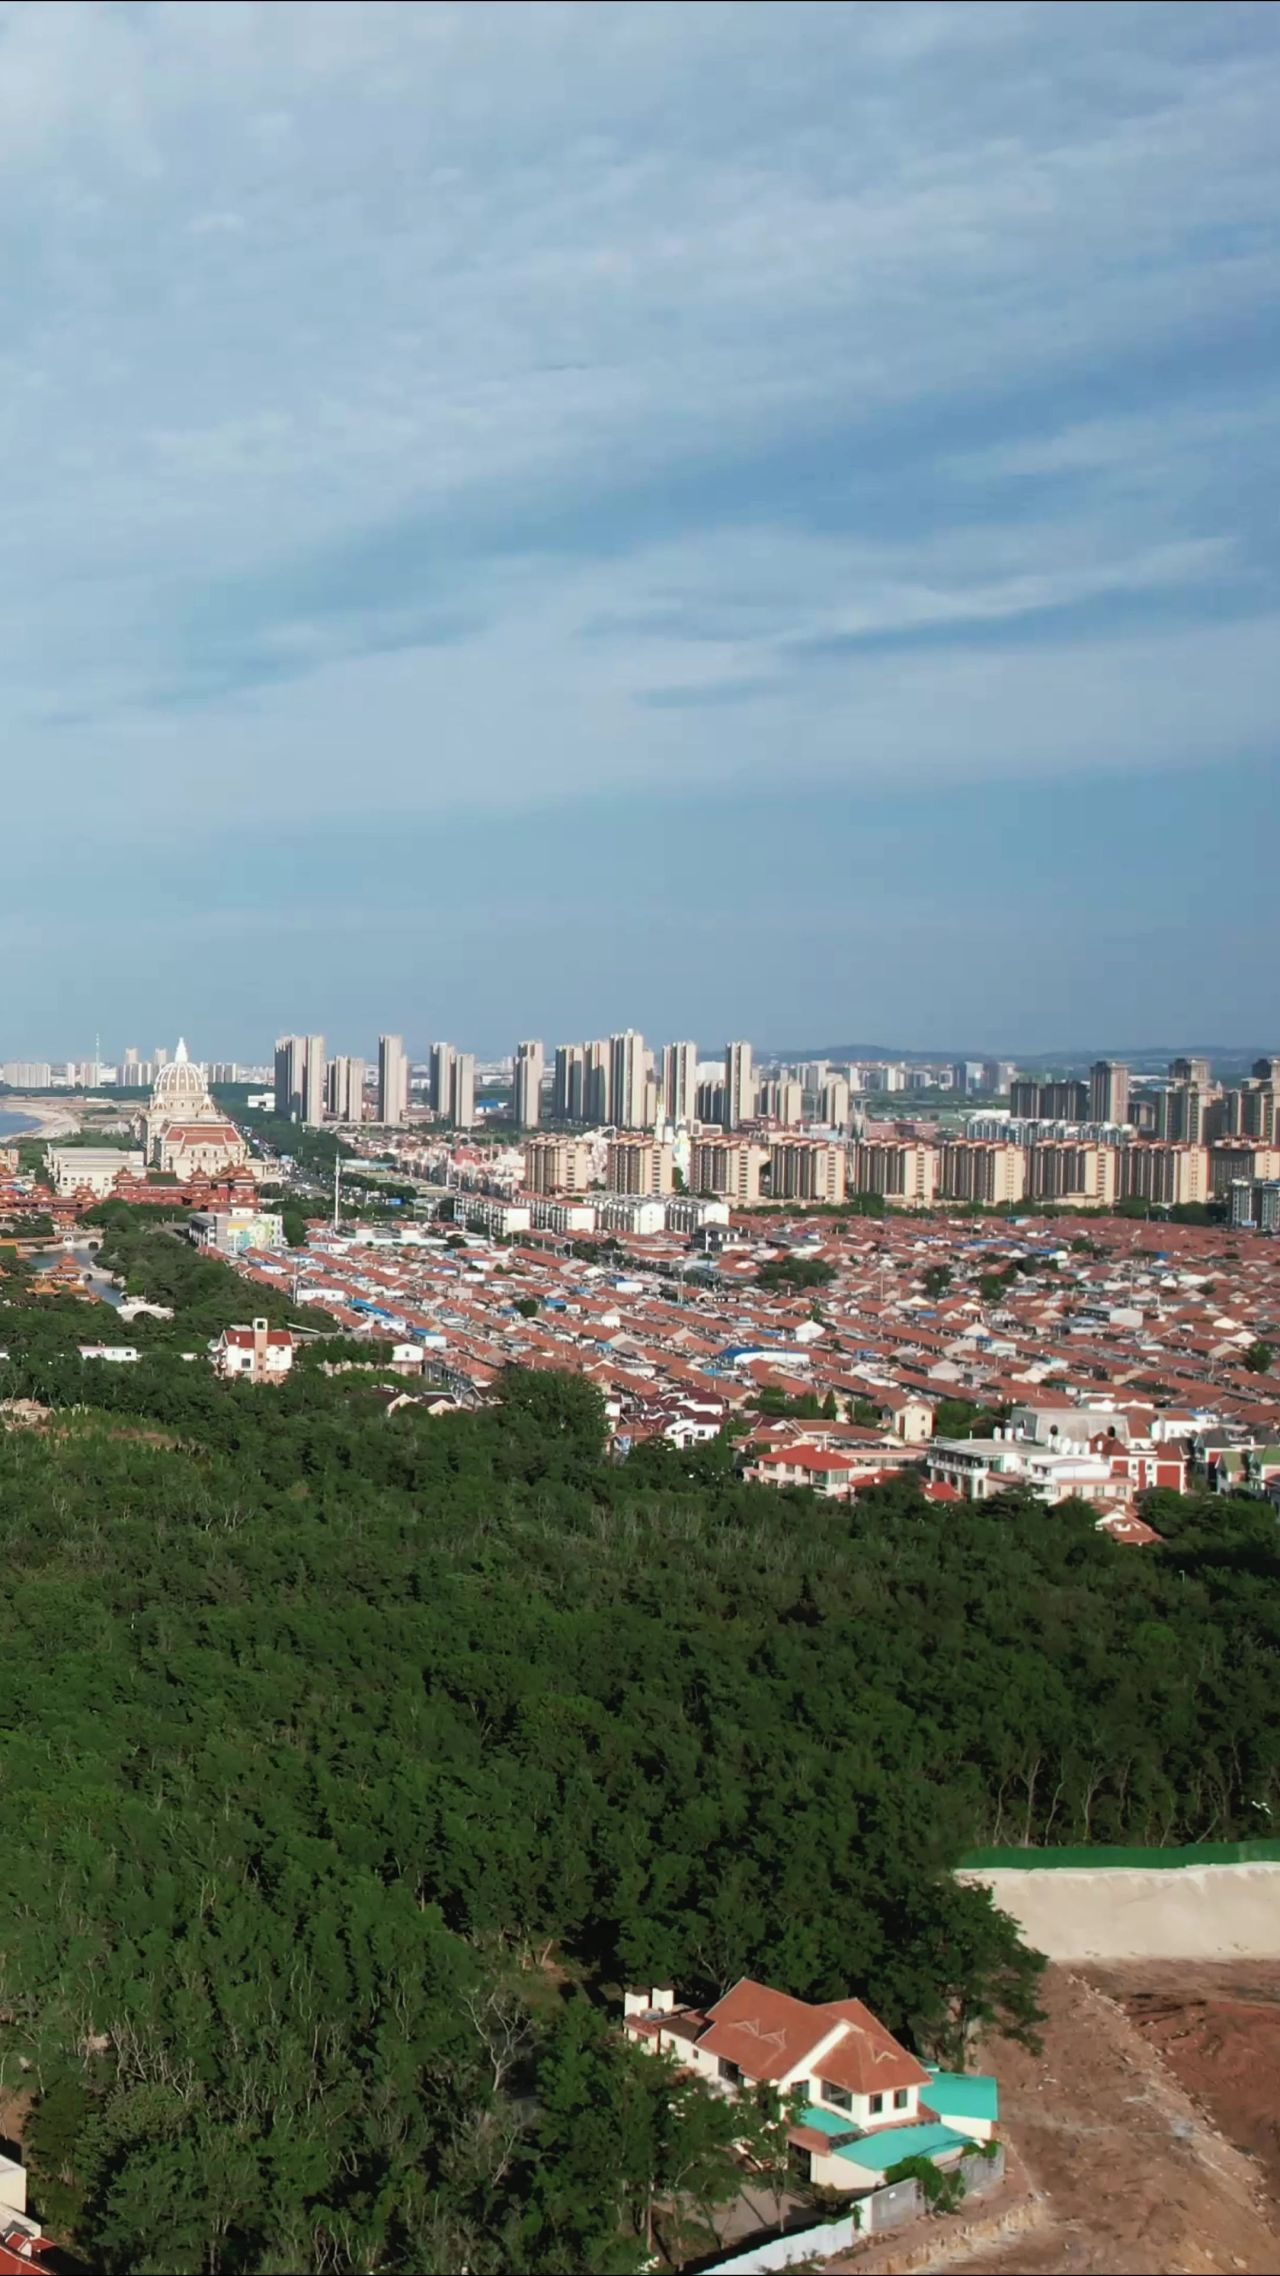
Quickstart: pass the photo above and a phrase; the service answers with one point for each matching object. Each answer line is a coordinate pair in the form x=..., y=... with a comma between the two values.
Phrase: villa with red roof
x=863, y=2101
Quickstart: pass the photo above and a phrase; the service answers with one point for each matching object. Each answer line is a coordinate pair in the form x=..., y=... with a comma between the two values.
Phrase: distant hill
x=1151, y=1056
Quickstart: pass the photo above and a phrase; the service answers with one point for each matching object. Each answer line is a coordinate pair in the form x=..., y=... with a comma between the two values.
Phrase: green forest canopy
x=339, y=1745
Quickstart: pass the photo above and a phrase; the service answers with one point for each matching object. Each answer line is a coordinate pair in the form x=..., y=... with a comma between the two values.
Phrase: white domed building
x=184, y=1131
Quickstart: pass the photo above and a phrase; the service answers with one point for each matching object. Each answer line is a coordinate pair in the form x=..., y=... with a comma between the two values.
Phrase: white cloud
x=315, y=284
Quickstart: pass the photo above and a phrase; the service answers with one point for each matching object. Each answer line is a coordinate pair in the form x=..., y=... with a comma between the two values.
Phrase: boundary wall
x=878, y=2212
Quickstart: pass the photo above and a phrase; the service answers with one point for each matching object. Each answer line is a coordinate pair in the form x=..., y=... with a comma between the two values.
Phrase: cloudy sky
x=718, y=518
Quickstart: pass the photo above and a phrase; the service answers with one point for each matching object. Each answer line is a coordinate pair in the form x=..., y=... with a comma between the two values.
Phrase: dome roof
x=181, y=1083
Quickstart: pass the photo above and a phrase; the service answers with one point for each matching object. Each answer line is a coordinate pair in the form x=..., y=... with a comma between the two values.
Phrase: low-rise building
x=257, y=1353
x=91, y=1169
x=863, y=2101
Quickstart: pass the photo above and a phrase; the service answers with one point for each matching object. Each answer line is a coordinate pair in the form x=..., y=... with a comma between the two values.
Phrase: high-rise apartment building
x=598, y=1083
x=568, y=1083
x=462, y=1090
x=1250, y=1109
x=1108, y=1091
x=739, y=1086
x=344, y=1089
x=440, y=1084
x=629, y=1070
x=1183, y=1111
x=299, y=1078
x=806, y=1169
x=526, y=1097
x=781, y=1101
x=709, y=1101
x=313, y=1081
x=639, y=1165
x=1065, y=1100
x=1196, y=1071
x=727, y=1166
x=834, y=1103
x=557, y=1165
x=393, y=1081
x=680, y=1082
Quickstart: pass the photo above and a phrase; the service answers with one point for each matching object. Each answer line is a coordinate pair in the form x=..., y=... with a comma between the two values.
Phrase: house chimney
x=663, y=2000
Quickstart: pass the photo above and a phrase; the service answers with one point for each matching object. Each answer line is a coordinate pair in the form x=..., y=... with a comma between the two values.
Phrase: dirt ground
x=1144, y=2141
x=1218, y=2030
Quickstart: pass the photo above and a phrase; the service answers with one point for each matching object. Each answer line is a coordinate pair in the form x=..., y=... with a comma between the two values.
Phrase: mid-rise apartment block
x=806, y=1169
x=639, y=1165
x=902, y=1169
x=728, y=1166
x=557, y=1165
x=1230, y=1161
x=1255, y=1205
x=1079, y=1175
x=990, y=1173
x=1166, y=1176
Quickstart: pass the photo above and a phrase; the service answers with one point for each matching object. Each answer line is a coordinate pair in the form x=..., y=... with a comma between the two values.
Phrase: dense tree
x=793, y=1273
x=346, y=1742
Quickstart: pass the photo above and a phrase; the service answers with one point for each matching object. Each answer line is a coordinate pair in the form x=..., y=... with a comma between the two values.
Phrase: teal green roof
x=877, y=2152
x=826, y=2121
x=961, y=2094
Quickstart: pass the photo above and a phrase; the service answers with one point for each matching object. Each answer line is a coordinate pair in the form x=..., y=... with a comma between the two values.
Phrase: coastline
x=47, y=1120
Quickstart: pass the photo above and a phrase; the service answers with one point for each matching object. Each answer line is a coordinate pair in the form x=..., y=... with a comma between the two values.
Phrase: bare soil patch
x=1117, y=2168
x=1217, y=2028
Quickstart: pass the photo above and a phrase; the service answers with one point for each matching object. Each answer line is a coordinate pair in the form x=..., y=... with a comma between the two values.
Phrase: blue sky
x=724, y=519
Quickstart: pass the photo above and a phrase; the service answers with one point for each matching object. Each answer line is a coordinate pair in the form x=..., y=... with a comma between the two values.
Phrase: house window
x=835, y=2095
x=728, y=2071
x=900, y=2098
x=877, y=2104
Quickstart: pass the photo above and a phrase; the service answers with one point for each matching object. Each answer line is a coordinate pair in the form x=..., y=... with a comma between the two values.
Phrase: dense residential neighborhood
x=1101, y=1365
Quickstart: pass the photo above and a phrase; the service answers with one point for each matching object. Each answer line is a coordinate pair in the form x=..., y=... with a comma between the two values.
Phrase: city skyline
x=788, y=508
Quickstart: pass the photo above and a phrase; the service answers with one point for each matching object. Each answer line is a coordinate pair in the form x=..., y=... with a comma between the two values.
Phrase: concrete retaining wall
x=1205, y=1912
